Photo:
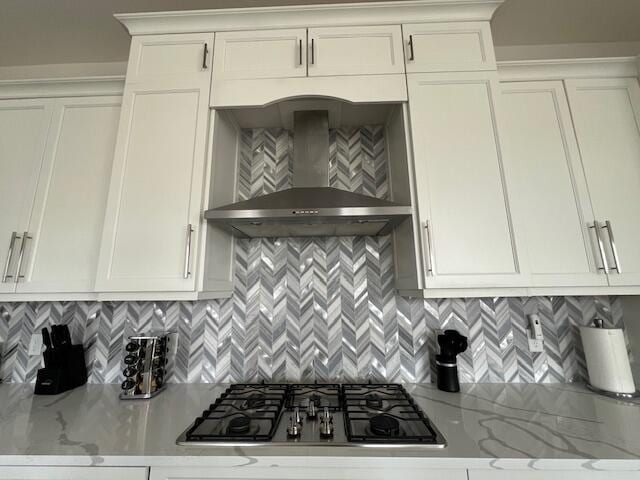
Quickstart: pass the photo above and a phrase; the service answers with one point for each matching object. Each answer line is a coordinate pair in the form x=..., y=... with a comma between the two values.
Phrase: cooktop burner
x=314, y=414
x=239, y=426
x=384, y=425
x=243, y=412
x=384, y=413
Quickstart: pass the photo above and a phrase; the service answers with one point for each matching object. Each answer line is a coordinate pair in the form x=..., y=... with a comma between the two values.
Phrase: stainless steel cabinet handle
x=204, y=57
x=313, y=53
x=300, y=53
x=596, y=228
x=428, y=254
x=12, y=242
x=616, y=260
x=187, y=256
x=23, y=244
x=411, y=55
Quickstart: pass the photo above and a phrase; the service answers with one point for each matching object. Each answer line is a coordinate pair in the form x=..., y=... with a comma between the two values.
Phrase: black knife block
x=63, y=370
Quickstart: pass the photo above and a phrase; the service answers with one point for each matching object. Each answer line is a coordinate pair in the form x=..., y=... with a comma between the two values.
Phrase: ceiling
x=34, y=32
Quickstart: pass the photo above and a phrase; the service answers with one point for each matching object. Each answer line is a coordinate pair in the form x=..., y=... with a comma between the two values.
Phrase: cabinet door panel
x=23, y=131
x=356, y=50
x=67, y=222
x=551, y=193
x=155, y=191
x=73, y=473
x=178, y=56
x=260, y=54
x=459, y=178
x=549, y=475
x=448, y=47
x=606, y=114
x=322, y=472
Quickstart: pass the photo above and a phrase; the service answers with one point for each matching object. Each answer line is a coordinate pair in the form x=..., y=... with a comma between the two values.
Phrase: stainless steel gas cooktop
x=350, y=415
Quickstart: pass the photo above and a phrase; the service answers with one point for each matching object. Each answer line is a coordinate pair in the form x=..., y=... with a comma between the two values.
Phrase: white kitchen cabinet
x=356, y=63
x=467, y=234
x=357, y=50
x=61, y=251
x=260, y=54
x=153, y=233
x=154, y=205
x=182, y=57
x=550, y=475
x=74, y=473
x=290, y=53
x=606, y=115
x=24, y=125
x=448, y=47
x=321, y=472
x=550, y=191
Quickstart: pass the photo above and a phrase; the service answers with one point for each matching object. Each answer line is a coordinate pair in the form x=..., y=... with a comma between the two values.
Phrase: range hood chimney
x=311, y=149
x=311, y=208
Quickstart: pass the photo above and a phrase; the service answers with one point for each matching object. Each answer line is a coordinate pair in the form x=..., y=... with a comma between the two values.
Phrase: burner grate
x=323, y=395
x=384, y=413
x=244, y=412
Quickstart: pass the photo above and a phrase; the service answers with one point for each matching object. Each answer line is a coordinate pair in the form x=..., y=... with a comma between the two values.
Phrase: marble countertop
x=486, y=425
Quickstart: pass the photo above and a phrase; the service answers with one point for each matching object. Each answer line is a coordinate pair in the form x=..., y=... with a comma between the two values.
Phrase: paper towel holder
x=599, y=323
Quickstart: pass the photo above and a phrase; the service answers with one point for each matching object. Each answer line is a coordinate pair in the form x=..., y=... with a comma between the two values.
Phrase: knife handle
x=66, y=336
x=46, y=338
x=54, y=337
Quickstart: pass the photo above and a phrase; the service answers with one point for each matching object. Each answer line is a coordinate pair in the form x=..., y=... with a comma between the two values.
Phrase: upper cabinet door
x=155, y=197
x=66, y=226
x=260, y=54
x=551, y=195
x=468, y=239
x=355, y=50
x=183, y=57
x=448, y=47
x=24, y=125
x=606, y=114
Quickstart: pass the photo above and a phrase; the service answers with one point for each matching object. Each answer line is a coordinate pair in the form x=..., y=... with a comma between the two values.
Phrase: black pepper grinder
x=451, y=345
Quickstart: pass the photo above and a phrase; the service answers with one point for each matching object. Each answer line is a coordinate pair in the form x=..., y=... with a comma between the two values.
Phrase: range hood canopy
x=311, y=208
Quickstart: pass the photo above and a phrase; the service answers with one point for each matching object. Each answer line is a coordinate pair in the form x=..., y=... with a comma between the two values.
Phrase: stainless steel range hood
x=311, y=208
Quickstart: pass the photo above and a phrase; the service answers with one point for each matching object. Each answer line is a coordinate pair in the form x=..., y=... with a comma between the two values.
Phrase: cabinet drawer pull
x=205, y=53
x=313, y=52
x=187, y=256
x=12, y=242
x=596, y=228
x=411, y=55
x=428, y=251
x=612, y=242
x=23, y=244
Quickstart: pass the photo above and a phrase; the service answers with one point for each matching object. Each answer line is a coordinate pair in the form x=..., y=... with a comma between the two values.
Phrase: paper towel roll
x=607, y=359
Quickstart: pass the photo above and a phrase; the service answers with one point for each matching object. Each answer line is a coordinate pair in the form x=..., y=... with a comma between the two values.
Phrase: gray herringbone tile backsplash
x=316, y=309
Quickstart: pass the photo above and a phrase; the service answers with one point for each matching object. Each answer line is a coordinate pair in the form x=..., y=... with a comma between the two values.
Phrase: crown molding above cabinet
x=62, y=87
x=262, y=18
x=560, y=69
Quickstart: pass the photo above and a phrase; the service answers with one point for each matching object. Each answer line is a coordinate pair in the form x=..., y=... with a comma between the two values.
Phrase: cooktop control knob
x=296, y=416
x=294, y=429
x=326, y=415
x=326, y=424
x=312, y=413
